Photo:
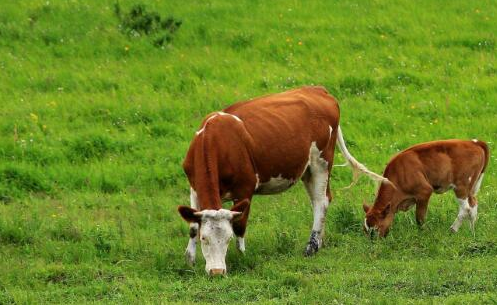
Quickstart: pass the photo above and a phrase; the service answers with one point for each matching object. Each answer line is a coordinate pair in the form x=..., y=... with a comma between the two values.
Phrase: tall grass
x=96, y=116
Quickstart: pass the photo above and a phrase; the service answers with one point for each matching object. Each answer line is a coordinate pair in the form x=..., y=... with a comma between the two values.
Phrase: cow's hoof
x=311, y=249
x=454, y=229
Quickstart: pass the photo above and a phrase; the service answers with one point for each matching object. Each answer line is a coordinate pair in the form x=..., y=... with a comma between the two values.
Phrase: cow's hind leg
x=192, y=243
x=316, y=183
x=473, y=212
x=473, y=203
x=468, y=205
x=464, y=209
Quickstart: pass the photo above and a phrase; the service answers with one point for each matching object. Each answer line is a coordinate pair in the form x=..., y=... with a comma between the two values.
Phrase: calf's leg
x=464, y=209
x=422, y=204
x=473, y=212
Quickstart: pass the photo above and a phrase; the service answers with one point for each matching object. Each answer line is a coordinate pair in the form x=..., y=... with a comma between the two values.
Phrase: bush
x=138, y=22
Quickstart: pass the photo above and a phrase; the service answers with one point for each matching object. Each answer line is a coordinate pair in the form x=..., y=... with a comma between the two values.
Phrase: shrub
x=138, y=22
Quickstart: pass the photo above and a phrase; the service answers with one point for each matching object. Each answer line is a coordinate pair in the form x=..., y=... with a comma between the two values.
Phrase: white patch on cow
x=257, y=181
x=215, y=234
x=474, y=140
x=331, y=130
x=477, y=185
x=232, y=115
x=192, y=243
x=316, y=186
x=205, y=124
x=240, y=244
x=275, y=185
x=220, y=113
x=464, y=211
x=469, y=178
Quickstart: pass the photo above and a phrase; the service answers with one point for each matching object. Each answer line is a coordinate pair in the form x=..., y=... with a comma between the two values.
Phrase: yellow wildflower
x=34, y=117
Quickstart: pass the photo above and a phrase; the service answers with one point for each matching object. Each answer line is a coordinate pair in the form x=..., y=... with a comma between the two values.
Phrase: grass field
x=95, y=121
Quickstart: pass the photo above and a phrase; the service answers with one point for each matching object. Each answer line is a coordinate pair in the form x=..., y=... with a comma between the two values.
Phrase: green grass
x=95, y=123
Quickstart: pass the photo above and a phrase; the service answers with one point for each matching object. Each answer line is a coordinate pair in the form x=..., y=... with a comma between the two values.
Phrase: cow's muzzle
x=214, y=272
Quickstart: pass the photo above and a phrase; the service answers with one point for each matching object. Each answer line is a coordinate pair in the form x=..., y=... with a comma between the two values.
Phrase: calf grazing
x=261, y=146
x=417, y=172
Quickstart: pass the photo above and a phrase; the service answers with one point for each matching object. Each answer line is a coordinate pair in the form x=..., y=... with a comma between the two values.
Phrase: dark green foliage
x=65, y=230
x=94, y=146
x=18, y=232
x=138, y=21
x=16, y=180
x=355, y=86
x=402, y=79
x=344, y=220
x=472, y=44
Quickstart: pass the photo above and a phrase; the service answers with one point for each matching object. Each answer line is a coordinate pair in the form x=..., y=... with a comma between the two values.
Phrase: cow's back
x=284, y=125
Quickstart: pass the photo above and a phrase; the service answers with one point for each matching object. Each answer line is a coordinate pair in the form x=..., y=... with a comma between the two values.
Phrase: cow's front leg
x=240, y=225
x=240, y=243
x=192, y=244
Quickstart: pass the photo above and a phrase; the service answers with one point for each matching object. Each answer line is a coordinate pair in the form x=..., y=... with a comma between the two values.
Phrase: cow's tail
x=486, y=152
x=357, y=167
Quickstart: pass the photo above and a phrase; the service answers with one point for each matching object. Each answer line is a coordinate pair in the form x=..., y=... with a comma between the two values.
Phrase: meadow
x=97, y=109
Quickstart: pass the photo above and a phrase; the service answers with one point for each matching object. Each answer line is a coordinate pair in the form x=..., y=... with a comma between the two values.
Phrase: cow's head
x=216, y=231
x=377, y=221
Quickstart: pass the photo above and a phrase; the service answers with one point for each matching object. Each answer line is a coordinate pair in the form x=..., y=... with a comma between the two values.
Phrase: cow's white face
x=216, y=232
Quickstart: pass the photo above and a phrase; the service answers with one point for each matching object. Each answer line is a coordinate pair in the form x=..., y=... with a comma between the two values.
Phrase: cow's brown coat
x=272, y=139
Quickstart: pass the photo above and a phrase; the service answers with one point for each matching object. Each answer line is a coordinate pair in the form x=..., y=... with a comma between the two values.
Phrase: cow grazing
x=260, y=146
x=418, y=171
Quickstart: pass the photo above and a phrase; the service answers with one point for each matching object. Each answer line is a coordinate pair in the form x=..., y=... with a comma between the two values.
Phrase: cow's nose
x=217, y=272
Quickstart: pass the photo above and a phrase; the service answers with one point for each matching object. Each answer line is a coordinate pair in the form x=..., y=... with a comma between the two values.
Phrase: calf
x=261, y=146
x=415, y=173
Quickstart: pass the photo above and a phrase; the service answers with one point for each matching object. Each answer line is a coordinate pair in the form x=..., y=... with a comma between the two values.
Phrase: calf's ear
x=239, y=209
x=365, y=207
x=189, y=214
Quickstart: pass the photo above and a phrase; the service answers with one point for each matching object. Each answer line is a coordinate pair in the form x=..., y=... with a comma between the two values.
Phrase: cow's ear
x=365, y=207
x=239, y=209
x=189, y=214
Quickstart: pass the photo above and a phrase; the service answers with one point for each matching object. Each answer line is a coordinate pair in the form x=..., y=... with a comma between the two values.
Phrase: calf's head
x=377, y=220
x=216, y=231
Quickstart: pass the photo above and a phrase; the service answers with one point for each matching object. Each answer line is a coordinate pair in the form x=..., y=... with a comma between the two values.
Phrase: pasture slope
x=95, y=122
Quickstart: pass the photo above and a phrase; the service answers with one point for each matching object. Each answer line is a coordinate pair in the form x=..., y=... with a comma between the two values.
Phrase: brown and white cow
x=415, y=173
x=260, y=146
